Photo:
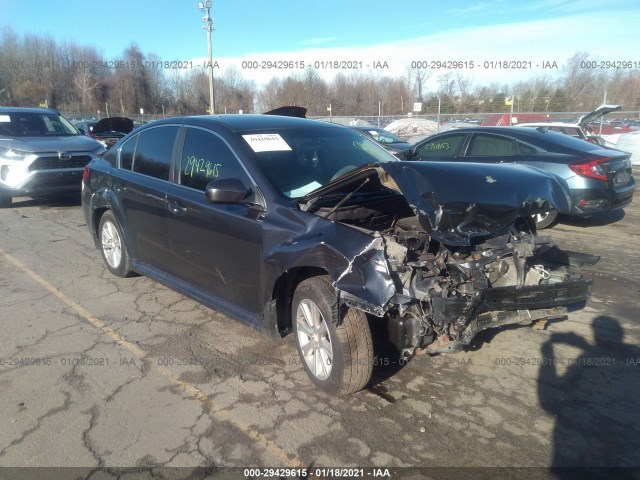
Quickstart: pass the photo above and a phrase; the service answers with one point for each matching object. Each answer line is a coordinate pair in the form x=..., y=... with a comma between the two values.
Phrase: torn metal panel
x=459, y=201
x=355, y=261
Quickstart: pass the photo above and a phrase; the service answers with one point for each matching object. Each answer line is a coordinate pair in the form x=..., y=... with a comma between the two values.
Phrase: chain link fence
x=619, y=129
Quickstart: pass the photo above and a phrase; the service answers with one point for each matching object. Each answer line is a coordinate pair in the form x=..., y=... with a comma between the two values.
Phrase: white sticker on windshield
x=5, y=118
x=266, y=142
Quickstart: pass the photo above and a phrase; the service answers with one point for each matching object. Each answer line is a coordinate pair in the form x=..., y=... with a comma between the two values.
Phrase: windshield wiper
x=347, y=197
x=309, y=204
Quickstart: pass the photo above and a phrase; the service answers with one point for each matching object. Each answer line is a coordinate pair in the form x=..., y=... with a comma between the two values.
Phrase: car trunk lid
x=587, y=118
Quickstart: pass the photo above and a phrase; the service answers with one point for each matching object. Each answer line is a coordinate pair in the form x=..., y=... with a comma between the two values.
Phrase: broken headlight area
x=445, y=295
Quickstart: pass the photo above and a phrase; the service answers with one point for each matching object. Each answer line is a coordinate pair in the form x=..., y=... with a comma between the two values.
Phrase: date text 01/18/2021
x=319, y=472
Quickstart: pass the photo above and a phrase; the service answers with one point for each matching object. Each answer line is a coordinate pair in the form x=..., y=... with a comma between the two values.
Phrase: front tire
x=112, y=246
x=546, y=219
x=337, y=359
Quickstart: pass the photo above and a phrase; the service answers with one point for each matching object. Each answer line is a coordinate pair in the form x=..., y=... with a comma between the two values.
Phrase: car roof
x=526, y=134
x=28, y=110
x=246, y=122
x=520, y=132
x=548, y=124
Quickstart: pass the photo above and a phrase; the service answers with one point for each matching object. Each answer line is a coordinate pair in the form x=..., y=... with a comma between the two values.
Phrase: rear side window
x=111, y=157
x=206, y=157
x=446, y=146
x=153, y=152
x=127, y=152
x=492, y=146
x=526, y=149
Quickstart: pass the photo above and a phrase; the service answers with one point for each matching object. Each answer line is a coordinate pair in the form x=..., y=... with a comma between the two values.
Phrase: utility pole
x=205, y=7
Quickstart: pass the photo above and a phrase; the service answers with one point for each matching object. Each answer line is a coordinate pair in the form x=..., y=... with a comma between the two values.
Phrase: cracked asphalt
x=99, y=371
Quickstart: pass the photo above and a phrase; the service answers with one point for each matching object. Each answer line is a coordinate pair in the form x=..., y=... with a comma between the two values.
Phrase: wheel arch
x=282, y=294
x=95, y=221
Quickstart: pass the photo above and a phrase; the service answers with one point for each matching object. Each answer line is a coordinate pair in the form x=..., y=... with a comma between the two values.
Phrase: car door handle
x=176, y=208
x=119, y=188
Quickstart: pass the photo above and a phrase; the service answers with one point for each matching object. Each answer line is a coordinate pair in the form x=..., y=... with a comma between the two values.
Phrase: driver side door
x=216, y=248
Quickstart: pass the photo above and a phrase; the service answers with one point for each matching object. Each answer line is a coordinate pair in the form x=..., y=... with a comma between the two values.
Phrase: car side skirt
x=199, y=295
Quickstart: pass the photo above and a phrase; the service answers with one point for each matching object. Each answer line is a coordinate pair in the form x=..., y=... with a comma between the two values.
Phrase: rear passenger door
x=141, y=185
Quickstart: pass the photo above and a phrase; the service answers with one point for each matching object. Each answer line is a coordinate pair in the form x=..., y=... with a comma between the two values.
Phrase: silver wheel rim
x=111, y=244
x=314, y=339
x=539, y=217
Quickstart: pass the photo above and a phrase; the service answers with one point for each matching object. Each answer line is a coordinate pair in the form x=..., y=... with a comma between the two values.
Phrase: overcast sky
x=366, y=33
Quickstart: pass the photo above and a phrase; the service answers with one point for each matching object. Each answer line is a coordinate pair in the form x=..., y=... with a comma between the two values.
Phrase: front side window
x=153, y=152
x=205, y=157
x=445, y=146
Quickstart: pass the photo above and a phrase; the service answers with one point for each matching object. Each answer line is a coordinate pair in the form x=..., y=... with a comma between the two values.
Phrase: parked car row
x=309, y=228
x=599, y=178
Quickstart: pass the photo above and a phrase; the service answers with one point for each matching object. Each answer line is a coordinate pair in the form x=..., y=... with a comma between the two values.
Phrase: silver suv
x=41, y=154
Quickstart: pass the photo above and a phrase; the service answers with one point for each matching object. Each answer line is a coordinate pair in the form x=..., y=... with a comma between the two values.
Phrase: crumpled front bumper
x=496, y=307
x=530, y=297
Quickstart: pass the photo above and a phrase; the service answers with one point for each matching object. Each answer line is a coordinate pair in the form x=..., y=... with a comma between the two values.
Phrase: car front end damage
x=447, y=295
x=450, y=250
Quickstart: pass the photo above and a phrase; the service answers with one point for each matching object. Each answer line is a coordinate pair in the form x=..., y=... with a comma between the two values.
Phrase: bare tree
x=417, y=80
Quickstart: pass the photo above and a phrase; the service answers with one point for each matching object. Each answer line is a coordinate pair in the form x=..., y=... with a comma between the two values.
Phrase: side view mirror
x=226, y=190
x=408, y=154
x=81, y=130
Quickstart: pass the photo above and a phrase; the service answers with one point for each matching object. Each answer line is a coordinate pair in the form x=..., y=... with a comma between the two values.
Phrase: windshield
x=382, y=136
x=35, y=124
x=298, y=161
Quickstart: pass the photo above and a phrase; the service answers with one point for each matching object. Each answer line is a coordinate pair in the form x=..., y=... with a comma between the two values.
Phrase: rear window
x=569, y=142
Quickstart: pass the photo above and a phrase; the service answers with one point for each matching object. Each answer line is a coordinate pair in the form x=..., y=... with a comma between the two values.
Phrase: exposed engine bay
x=455, y=292
x=446, y=294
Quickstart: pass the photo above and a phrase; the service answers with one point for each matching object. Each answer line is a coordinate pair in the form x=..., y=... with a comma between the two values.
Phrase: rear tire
x=337, y=359
x=545, y=220
x=112, y=246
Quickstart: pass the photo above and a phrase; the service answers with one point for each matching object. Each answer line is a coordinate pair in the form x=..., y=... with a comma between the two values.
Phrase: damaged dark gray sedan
x=292, y=225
